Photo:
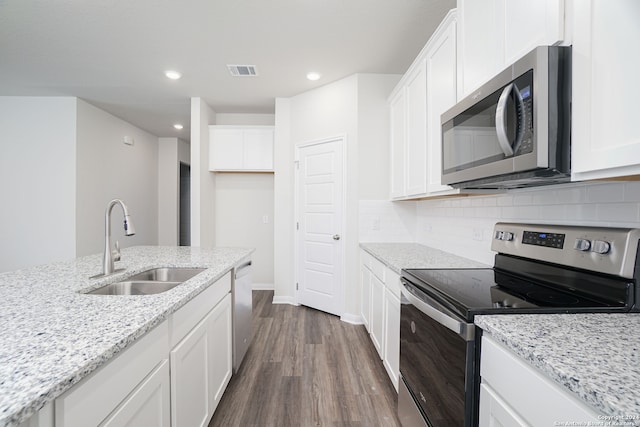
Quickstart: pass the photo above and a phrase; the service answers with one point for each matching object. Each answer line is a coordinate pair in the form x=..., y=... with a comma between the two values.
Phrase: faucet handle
x=116, y=252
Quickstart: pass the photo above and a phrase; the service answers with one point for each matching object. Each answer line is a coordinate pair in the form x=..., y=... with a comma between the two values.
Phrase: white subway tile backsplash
x=464, y=225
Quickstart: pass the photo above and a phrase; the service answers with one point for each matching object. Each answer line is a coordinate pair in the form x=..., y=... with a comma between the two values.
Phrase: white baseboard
x=354, y=319
x=284, y=300
x=262, y=286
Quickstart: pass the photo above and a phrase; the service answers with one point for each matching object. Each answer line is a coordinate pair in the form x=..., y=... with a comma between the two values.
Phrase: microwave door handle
x=501, y=125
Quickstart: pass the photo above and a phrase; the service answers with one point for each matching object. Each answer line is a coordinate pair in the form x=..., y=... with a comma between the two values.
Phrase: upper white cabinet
x=605, y=136
x=241, y=148
x=416, y=130
x=493, y=34
x=422, y=95
x=441, y=65
x=398, y=124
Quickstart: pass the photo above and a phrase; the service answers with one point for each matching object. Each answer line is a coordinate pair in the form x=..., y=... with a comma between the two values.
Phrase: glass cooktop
x=491, y=291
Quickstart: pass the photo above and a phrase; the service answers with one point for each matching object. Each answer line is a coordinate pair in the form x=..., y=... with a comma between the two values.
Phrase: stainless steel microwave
x=515, y=130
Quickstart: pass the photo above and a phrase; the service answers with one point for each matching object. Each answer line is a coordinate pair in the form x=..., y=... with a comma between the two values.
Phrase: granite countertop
x=397, y=256
x=52, y=336
x=595, y=356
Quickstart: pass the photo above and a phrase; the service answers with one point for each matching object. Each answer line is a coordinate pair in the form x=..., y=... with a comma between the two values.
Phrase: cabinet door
x=258, y=150
x=528, y=24
x=148, y=405
x=605, y=134
x=189, y=379
x=392, y=336
x=416, y=137
x=219, y=358
x=365, y=295
x=227, y=149
x=376, y=322
x=397, y=125
x=480, y=43
x=441, y=95
x=495, y=413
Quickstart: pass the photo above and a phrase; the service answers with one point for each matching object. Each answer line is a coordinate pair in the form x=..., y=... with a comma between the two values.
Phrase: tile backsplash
x=464, y=225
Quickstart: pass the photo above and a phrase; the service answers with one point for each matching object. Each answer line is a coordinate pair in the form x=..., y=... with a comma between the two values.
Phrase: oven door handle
x=438, y=313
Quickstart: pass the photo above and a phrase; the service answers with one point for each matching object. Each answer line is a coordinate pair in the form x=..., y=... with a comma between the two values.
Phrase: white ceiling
x=113, y=53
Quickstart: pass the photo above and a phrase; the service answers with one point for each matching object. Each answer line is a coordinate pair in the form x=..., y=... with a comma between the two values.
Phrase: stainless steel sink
x=149, y=282
x=167, y=274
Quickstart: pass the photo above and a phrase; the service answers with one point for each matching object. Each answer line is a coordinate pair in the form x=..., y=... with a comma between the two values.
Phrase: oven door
x=437, y=363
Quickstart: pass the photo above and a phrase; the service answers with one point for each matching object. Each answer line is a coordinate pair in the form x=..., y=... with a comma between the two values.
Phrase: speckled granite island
x=594, y=356
x=52, y=335
x=397, y=256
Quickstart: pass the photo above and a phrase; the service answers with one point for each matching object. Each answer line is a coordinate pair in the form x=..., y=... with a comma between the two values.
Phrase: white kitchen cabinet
x=92, y=400
x=493, y=34
x=147, y=405
x=397, y=142
x=512, y=393
x=441, y=64
x=365, y=295
x=408, y=137
x=391, y=356
x=241, y=148
x=380, y=303
x=605, y=134
x=376, y=322
x=416, y=130
x=201, y=368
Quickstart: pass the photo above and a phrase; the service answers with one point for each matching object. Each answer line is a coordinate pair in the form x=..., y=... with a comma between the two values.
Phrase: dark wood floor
x=307, y=368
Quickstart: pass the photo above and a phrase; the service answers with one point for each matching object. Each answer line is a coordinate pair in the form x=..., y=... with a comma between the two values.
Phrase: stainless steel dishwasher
x=242, y=312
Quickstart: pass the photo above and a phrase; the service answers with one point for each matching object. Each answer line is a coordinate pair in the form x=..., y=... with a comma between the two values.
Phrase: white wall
x=203, y=182
x=354, y=107
x=373, y=135
x=245, y=119
x=37, y=175
x=106, y=169
x=171, y=152
x=243, y=202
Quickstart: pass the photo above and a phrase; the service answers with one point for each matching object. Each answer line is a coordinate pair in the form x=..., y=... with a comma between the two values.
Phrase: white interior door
x=320, y=212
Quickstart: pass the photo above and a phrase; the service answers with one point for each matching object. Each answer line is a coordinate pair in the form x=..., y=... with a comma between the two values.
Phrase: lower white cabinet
x=174, y=375
x=147, y=405
x=380, y=310
x=512, y=393
x=201, y=368
x=391, y=357
x=376, y=323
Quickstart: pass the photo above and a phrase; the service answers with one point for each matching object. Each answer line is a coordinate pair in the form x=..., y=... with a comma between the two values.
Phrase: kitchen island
x=52, y=335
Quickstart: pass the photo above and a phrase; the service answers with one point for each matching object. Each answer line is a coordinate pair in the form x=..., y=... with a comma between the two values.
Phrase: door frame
x=342, y=138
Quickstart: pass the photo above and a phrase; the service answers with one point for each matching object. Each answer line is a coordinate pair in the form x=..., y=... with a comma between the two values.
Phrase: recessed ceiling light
x=178, y=126
x=173, y=75
x=313, y=76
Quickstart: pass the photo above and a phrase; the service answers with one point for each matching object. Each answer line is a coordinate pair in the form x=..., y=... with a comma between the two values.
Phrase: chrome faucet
x=109, y=255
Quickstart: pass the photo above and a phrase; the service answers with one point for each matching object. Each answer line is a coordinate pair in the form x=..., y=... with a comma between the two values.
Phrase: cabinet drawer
x=392, y=282
x=526, y=390
x=95, y=397
x=188, y=316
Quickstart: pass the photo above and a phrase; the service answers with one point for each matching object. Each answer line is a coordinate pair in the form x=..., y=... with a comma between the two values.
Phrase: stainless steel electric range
x=538, y=269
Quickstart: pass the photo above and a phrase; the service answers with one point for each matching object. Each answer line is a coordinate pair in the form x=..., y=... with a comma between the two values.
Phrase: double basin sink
x=149, y=282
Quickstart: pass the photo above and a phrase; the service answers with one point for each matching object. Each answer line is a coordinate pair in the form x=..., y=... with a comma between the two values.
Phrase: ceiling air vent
x=243, y=70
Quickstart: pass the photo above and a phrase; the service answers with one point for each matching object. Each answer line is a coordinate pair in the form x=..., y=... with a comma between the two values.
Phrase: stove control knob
x=601, y=247
x=582, y=245
x=499, y=235
x=508, y=236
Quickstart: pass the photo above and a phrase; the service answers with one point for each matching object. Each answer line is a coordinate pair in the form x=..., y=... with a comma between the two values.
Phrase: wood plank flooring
x=307, y=368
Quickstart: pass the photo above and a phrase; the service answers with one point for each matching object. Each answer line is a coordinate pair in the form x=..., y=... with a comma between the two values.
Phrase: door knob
x=336, y=237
